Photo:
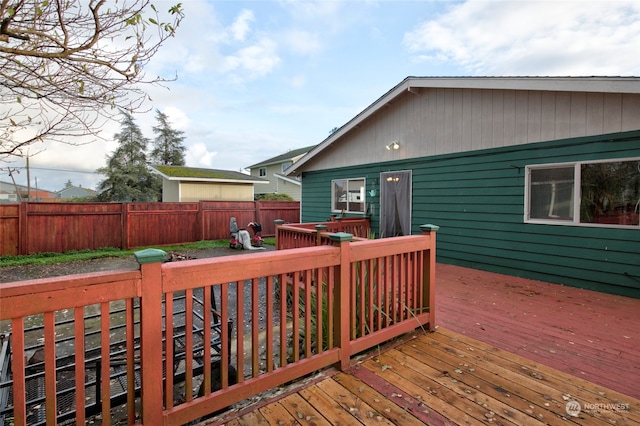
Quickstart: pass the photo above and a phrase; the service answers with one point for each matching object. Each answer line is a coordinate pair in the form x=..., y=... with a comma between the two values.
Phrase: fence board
x=28, y=227
x=9, y=225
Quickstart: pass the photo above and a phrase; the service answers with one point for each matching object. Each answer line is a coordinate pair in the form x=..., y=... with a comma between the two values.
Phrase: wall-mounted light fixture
x=393, y=145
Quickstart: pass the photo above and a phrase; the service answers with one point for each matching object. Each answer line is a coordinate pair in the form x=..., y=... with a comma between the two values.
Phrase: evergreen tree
x=128, y=176
x=167, y=145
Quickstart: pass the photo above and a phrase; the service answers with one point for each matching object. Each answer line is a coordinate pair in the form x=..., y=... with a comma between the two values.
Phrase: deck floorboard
x=507, y=351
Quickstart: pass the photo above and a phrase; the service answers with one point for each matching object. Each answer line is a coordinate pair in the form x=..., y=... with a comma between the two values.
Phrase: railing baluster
x=307, y=313
x=255, y=328
x=188, y=350
x=283, y=319
x=240, y=328
x=224, y=330
x=269, y=324
x=50, y=366
x=79, y=342
x=295, y=308
x=105, y=346
x=169, y=362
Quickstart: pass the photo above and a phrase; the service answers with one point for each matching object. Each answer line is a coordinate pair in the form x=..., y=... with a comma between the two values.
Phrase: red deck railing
x=294, y=312
x=311, y=234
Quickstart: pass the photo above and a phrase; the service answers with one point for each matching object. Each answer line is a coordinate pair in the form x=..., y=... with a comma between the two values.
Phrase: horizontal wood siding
x=444, y=121
x=477, y=198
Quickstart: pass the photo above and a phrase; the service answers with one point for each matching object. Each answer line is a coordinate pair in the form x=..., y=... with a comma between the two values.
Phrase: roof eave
x=287, y=179
x=214, y=180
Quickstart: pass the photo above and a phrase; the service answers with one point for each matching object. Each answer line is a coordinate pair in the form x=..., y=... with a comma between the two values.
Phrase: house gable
x=434, y=116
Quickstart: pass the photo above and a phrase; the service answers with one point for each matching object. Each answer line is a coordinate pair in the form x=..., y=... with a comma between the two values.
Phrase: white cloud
x=257, y=60
x=303, y=42
x=316, y=11
x=198, y=155
x=240, y=26
x=178, y=119
x=298, y=81
x=527, y=38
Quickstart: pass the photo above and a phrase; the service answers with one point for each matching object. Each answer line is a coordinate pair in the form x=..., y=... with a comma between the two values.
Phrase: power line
x=58, y=170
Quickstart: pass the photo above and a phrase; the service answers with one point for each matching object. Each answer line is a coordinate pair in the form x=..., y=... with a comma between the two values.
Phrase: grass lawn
x=70, y=256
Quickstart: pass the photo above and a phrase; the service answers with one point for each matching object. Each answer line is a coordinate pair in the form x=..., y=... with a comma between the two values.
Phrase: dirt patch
x=30, y=272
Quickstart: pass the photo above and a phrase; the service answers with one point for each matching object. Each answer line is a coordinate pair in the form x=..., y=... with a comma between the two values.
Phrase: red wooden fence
x=28, y=228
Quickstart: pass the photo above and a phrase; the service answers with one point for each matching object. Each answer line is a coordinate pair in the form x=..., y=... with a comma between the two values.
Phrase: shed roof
x=182, y=173
x=592, y=84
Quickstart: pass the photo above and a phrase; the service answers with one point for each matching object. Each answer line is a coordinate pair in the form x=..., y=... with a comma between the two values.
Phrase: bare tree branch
x=65, y=66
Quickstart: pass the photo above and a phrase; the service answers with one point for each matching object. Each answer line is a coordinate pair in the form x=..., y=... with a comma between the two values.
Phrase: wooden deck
x=507, y=351
x=445, y=378
x=592, y=335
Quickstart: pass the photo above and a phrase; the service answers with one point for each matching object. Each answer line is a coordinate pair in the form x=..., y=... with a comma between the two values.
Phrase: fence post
x=342, y=305
x=429, y=275
x=279, y=223
x=150, y=261
x=319, y=228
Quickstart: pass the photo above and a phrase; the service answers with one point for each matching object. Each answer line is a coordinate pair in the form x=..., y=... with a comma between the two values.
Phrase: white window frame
x=262, y=171
x=362, y=194
x=577, y=195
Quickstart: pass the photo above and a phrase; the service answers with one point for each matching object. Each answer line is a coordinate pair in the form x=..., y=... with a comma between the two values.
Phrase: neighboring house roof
x=75, y=192
x=10, y=188
x=181, y=173
x=282, y=158
x=415, y=84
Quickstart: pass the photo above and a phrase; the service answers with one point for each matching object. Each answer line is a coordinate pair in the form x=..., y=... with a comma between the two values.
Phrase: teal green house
x=537, y=177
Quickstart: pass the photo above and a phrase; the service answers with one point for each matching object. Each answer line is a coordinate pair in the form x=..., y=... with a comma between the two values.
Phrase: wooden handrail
x=324, y=292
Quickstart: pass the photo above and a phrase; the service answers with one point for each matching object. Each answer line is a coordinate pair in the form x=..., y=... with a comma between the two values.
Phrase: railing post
x=279, y=223
x=429, y=275
x=342, y=305
x=319, y=229
x=150, y=261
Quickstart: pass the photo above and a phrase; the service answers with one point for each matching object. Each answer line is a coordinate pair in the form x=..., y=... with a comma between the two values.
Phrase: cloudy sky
x=259, y=78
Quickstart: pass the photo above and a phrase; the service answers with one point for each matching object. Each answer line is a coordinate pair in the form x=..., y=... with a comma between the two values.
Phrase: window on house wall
x=262, y=171
x=348, y=195
x=286, y=165
x=598, y=193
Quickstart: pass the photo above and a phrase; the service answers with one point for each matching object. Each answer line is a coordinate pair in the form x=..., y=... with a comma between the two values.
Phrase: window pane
x=339, y=195
x=551, y=193
x=356, y=195
x=610, y=193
